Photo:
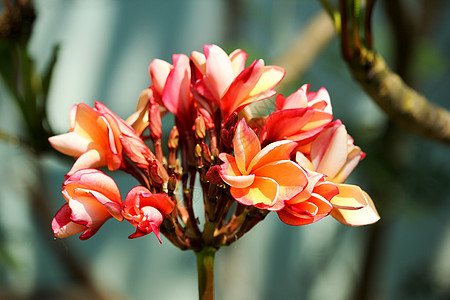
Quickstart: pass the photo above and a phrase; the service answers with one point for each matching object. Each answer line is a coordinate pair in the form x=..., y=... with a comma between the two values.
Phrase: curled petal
x=94, y=180
x=353, y=206
x=63, y=226
x=306, y=212
x=230, y=173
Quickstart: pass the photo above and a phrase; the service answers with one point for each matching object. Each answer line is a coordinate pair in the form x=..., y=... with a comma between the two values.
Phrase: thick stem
x=205, y=271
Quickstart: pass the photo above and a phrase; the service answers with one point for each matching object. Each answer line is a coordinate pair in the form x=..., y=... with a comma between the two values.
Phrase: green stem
x=205, y=271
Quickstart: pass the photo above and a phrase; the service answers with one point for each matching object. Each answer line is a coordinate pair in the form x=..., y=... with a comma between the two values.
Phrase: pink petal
x=63, y=226
x=353, y=159
x=96, y=180
x=176, y=93
x=159, y=70
x=295, y=100
x=329, y=150
x=219, y=70
x=87, y=211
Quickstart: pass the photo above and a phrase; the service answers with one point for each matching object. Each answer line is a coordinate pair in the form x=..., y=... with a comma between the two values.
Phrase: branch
x=402, y=104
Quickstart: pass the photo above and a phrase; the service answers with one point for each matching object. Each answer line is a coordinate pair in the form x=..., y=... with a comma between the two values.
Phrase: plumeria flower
x=334, y=154
x=224, y=82
x=299, y=117
x=146, y=211
x=92, y=198
x=93, y=139
x=264, y=178
x=98, y=137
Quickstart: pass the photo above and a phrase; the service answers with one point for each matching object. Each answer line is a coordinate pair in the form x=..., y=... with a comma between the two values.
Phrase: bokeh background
x=105, y=47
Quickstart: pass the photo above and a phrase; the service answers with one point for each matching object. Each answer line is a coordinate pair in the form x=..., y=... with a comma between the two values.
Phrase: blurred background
x=104, y=49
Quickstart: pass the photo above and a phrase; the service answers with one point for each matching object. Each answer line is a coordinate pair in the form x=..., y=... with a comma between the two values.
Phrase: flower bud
x=173, y=138
x=200, y=128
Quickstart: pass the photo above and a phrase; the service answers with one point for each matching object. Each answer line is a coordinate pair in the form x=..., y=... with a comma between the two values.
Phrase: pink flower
x=224, y=82
x=92, y=198
x=93, y=139
x=299, y=117
x=264, y=178
x=146, y=211
x=334, y=155
x=98, y=137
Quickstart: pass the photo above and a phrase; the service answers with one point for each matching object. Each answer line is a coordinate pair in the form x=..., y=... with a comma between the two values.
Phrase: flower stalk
x=205, y=272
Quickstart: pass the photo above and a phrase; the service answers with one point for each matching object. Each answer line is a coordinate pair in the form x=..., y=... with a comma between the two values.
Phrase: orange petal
x=70, y=143
x=86, y=124
x=246, y=146
x=290, y=177
x=262, y=193
x=353, y=206
x=276, y=151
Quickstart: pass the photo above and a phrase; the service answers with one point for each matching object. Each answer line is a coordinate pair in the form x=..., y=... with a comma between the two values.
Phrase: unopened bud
x=198, y=151
x=200, y=128
x=172, y=184
x=173, y=138
x=206, y=154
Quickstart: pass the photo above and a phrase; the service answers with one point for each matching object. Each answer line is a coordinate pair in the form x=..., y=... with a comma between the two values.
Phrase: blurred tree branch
x=404, y=106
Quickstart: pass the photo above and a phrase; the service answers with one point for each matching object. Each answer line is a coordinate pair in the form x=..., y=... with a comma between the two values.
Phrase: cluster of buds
x=292, y=160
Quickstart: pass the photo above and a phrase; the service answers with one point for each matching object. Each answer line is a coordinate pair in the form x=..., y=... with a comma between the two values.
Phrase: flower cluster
x=292, y=160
